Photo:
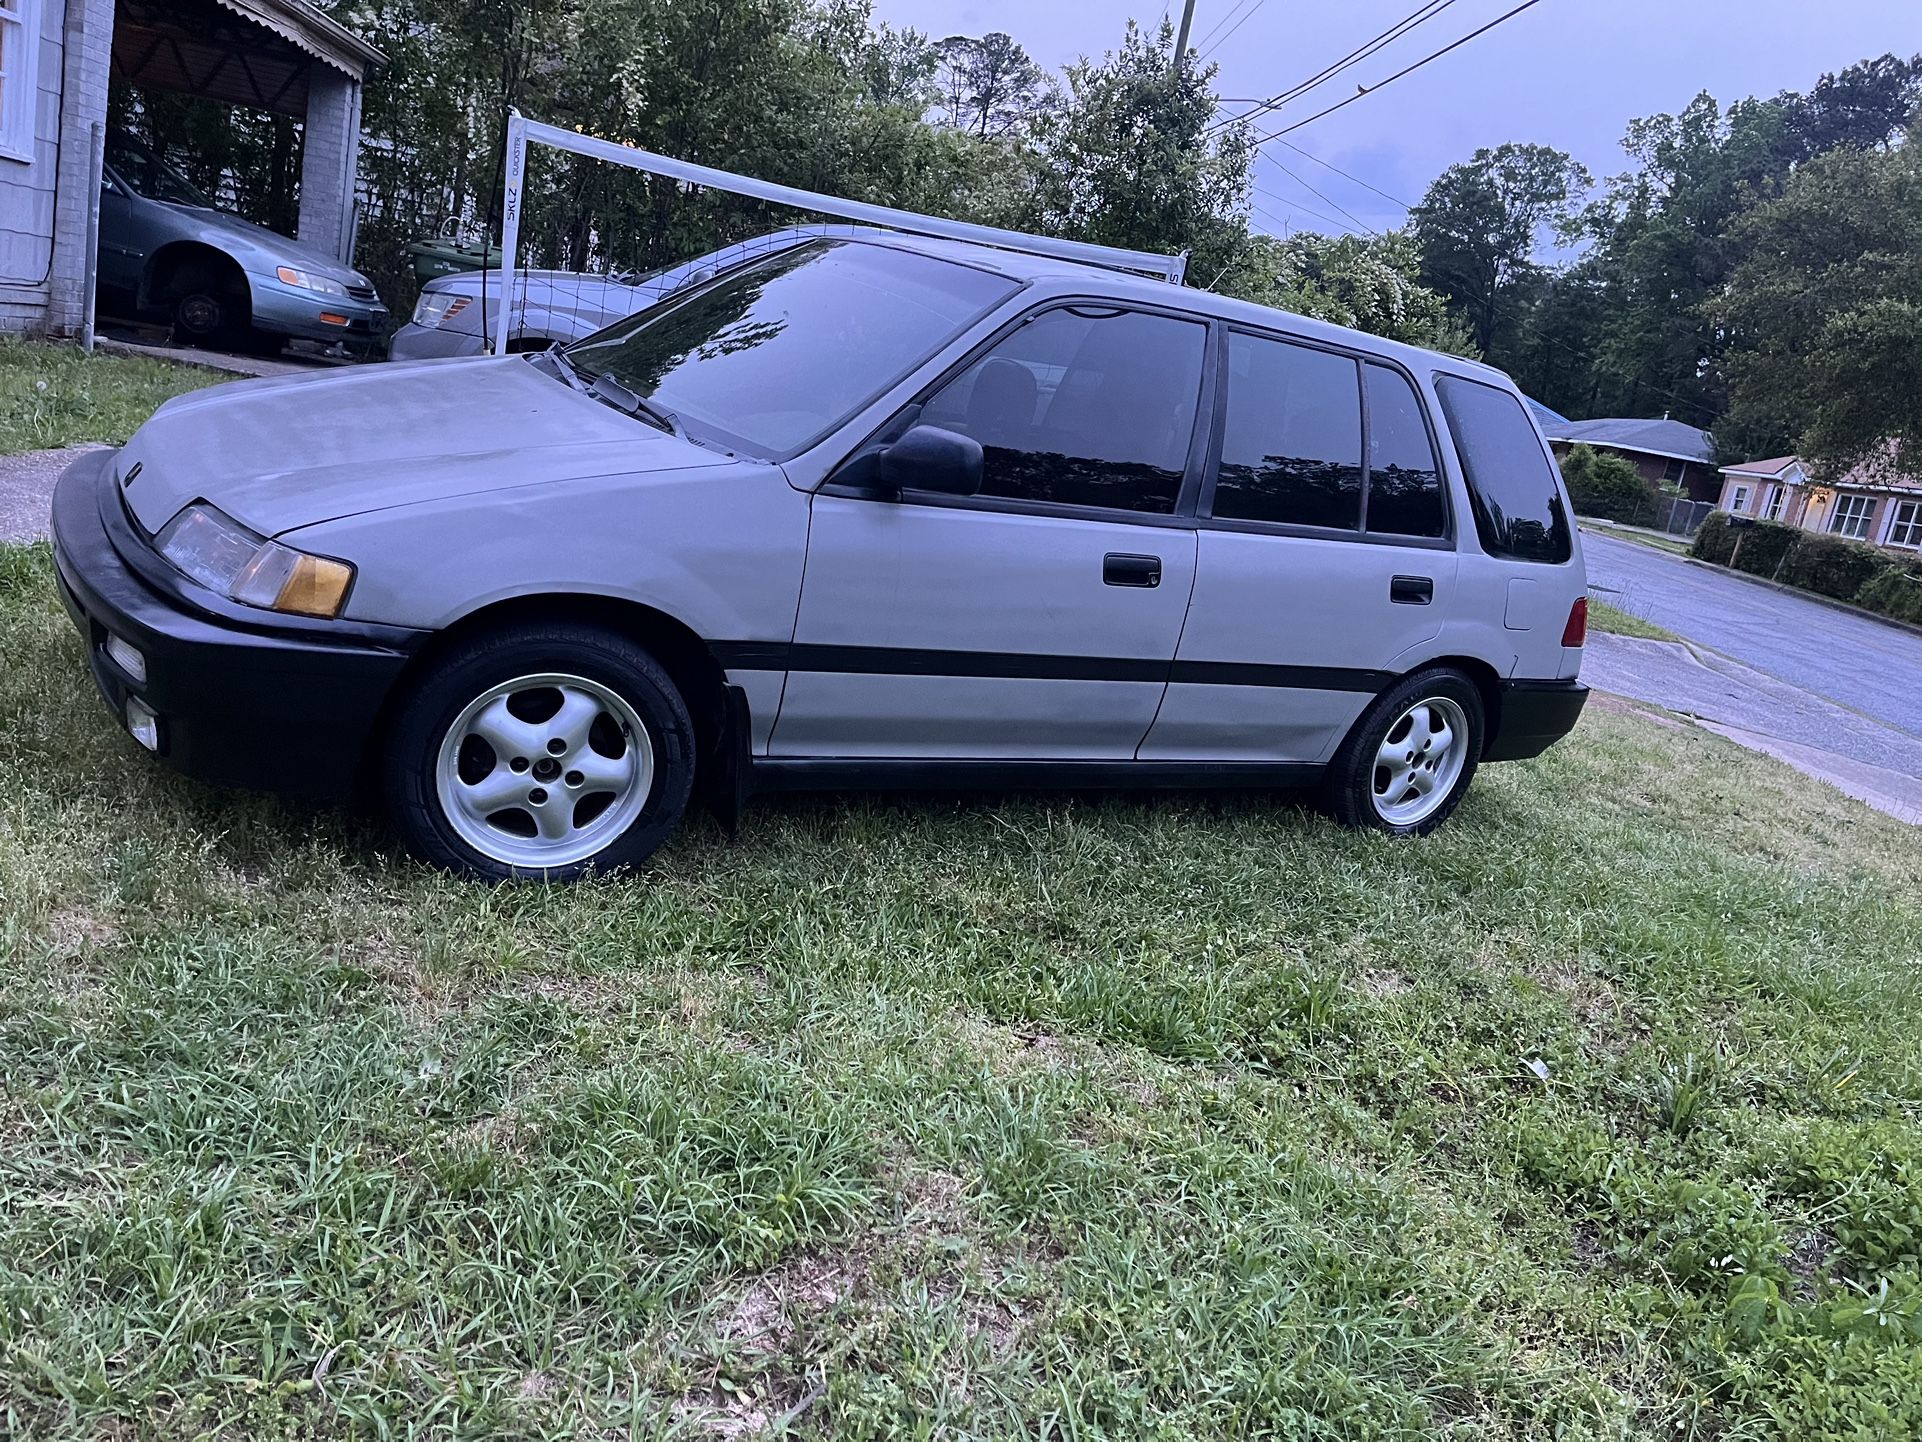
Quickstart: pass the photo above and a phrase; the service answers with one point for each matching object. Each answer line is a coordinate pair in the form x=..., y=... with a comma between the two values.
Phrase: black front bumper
x=1534, y=716
x=242, y=697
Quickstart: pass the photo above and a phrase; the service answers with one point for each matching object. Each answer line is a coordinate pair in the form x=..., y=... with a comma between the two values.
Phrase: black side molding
x=780, y=773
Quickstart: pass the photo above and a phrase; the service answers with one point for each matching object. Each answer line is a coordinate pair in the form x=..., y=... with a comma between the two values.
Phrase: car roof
x=1069, y=276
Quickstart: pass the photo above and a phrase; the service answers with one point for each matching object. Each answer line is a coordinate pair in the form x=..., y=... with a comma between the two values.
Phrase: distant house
x=1664, y=452
x=1865, y=506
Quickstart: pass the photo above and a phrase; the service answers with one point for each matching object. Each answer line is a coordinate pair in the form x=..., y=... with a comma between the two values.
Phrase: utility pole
x=1181, y=40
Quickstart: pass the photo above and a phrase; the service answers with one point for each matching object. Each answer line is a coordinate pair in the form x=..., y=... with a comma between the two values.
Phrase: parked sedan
x=460, y=314
x=168, y=252
x=868, y=511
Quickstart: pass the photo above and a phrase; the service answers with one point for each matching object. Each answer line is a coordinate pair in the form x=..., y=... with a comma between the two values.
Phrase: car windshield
x=147, y=175
x=776, y=355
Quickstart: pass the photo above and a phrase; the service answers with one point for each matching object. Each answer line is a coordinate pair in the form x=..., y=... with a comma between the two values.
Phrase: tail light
x=1575, y=633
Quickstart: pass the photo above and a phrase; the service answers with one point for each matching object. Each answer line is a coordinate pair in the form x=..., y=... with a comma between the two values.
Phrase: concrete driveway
x=1835, y=695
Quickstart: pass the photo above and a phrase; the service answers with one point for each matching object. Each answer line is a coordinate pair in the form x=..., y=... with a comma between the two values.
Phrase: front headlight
x=225, y=556
x=436, y=306
x=307, y=280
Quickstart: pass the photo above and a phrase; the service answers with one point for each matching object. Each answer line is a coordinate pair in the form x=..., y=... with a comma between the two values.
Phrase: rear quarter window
x=1519, y=511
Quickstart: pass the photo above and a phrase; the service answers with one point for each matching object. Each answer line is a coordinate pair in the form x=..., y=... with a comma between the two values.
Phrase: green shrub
x=1832, y=566
x=1895, y=591
x=1607, y=486
x=1714, y=539
x=1763, y=547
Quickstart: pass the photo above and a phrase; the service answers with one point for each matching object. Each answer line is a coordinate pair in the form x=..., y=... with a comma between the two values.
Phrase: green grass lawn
x=1604, y=617
x=1674, y=545
x=1178, y=1117
x=58, y=395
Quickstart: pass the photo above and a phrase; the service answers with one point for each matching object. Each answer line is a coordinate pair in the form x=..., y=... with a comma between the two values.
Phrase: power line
x=1345, y=175
x=1239, y=5
x=1293, y=205
x=1228, y=34
x=1405, y=70
x=1356, y=220
x=1401, y=27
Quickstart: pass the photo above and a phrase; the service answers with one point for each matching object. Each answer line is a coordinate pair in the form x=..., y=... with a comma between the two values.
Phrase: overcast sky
x=1567, y=73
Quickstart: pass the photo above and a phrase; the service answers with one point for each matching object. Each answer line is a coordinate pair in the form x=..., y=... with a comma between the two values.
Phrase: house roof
x=1545, y=418
x=1672, y=440
x=1768, y=469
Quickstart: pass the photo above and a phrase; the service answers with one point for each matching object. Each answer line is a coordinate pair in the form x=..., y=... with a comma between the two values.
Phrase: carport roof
x=319, y=35
x=255, y=53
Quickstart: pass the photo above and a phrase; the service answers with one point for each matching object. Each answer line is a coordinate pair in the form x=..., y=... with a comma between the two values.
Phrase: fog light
x=142, y=722
x=127, y=659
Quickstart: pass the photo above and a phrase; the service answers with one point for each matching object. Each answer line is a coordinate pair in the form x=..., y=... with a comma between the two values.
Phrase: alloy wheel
x=1419, y=761
x=544, y=770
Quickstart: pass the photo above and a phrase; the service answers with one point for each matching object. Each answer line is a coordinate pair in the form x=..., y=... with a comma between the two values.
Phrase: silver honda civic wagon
x=871, y=511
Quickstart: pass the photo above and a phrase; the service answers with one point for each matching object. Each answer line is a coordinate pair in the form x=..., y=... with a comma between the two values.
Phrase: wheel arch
x=167, y=264
x=688, y=660
x=1488, y=684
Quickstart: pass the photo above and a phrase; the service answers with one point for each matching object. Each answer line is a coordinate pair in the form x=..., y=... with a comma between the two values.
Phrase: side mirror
x=927, y=458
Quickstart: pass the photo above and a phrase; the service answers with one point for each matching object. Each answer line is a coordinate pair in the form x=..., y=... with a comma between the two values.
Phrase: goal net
x=594, y=230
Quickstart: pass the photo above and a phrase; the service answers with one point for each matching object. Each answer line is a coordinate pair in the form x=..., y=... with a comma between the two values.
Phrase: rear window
x=1519, y=511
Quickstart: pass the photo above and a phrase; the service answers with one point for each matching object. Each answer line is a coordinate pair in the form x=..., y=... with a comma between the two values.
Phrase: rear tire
x=1408, y=762
x=541, y=752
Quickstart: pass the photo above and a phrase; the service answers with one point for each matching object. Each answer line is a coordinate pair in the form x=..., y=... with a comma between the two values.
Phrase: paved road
x=1859, y=664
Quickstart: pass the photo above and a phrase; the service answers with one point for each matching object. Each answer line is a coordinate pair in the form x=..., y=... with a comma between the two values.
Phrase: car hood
x=297, y=450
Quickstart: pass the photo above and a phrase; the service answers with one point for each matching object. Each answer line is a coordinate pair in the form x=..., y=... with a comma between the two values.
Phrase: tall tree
x=1823, y=313
x=1481, y=223
x=988, y=86
x=1662, y=233
x=1371, y=283
x=1130, y=158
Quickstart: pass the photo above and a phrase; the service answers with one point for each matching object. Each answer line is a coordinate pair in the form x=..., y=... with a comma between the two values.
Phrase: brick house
x=57, y=58
x=1864, y=505
x=1663, y=452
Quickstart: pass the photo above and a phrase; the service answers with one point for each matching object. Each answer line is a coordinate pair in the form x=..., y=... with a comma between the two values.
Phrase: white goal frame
x=522, y=132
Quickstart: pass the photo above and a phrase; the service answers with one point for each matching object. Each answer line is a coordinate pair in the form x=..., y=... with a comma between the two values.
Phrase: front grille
x=363, y=292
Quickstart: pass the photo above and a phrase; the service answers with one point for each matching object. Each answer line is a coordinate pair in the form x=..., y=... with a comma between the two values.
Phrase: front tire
x=1408, y=762
x=541, y=752
x=206, y=315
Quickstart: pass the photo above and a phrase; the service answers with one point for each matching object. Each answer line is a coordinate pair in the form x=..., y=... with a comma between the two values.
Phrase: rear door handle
x=1120, y=569
x=1411, y=590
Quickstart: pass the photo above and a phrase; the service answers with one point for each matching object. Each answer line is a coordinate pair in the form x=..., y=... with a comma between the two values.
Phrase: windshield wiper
x=564, y=368
x=616, y=394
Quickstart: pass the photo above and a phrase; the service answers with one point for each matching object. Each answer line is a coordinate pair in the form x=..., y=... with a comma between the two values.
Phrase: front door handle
x=1121, y=569
x=1411, y=590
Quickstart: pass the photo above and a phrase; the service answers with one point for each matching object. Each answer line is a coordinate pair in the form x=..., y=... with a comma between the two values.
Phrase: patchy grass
x=58, y=395
x=1603, y=616
x=1591, y=1116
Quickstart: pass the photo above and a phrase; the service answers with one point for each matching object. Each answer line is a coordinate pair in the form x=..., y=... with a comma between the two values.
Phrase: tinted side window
x=1518, y=503
x=1291, y=449
x=1404, y=482
x=1082, y=406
